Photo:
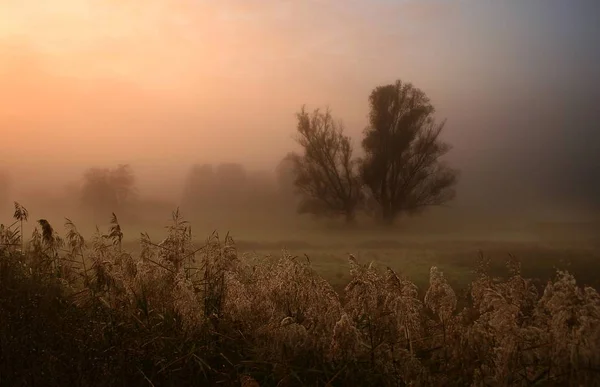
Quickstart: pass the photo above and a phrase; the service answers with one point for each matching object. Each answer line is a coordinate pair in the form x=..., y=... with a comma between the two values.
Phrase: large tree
x=325, y=175
x=402, y=167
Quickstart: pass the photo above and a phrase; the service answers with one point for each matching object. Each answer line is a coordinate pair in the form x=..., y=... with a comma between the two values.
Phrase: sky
x=163, y=84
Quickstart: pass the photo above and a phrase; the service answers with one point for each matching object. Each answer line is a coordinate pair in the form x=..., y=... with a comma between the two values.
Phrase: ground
x=413, y=255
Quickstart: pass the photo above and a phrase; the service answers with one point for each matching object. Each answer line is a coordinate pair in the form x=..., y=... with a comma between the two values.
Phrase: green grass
x=456, y=259
x=413, y=256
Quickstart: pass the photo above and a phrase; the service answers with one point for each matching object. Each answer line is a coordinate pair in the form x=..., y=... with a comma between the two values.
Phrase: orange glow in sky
x=173, y=82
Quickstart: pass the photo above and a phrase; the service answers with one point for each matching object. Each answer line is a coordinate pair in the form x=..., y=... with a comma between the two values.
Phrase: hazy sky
x=162, y=84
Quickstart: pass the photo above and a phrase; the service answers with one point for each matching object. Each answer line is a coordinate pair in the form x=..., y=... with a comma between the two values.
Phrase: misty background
x=169, y=87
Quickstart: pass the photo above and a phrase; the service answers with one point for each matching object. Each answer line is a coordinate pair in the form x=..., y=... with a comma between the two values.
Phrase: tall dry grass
x=86, y=312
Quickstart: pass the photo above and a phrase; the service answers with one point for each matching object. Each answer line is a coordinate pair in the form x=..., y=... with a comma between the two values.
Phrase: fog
x=163, y=85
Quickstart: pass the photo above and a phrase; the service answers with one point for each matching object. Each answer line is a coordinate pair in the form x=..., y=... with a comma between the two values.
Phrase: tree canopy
x=325, y=174
x=402, y=166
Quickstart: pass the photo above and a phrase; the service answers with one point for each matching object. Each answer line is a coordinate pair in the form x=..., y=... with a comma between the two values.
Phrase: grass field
x=412, y=255
x=456, y=259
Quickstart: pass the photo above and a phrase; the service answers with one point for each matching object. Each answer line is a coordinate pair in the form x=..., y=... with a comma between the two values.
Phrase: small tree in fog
x=223, y=187
x=231, y=179
x=200, y=187
x=108, y=190
x=325, y=175
x=402, y=167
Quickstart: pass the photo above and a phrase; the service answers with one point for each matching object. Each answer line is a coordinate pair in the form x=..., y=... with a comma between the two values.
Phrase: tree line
x=400, y=169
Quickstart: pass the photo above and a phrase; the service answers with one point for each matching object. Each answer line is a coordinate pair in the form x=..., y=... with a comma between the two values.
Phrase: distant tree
x=231, y=185
x=231, y=178
x=325, y=175
x=108, y=190
x=402, y=167
x=223, y=187
x=284, y=176
x=260, y=186
x=199, y=186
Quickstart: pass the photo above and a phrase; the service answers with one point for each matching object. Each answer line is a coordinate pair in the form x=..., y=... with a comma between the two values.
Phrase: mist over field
x=299, y=193
x=166, y=85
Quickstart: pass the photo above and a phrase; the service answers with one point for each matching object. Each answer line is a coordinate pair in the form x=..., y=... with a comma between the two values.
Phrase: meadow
x=542, y=250
x=457, y=259
x=319, y=309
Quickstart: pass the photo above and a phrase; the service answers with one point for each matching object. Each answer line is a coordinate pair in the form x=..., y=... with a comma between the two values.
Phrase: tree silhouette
x=108, y=190
x=223, y=187
x=231, y=180
x=325, y=175
x=401, y=167
x=200, y=187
